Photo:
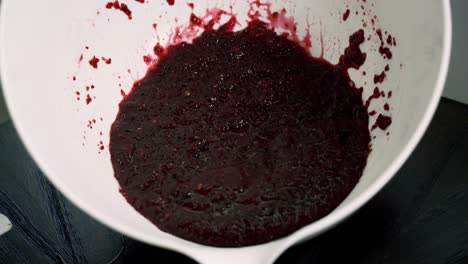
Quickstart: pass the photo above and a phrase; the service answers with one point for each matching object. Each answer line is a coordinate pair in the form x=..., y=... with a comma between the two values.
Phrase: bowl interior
x=40, y=56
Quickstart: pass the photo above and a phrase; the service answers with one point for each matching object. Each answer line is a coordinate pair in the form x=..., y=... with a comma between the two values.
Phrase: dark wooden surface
x=420, y=217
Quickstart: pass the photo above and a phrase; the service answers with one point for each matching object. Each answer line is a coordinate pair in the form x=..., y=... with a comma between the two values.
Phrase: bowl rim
x=304, y=233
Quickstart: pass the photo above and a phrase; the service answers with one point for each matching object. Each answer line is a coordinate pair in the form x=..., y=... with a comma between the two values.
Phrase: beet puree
x=241, y=138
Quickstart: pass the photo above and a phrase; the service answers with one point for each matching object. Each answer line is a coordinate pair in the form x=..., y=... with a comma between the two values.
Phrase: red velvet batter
x=241, y=138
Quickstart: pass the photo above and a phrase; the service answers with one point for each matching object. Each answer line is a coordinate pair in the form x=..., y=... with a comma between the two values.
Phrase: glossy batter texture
x=241, y=137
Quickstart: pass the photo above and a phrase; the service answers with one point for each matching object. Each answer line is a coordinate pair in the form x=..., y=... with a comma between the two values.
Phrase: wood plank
x=47, y=228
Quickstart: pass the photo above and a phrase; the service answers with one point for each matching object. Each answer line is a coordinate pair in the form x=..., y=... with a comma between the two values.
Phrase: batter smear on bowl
x=241, y=137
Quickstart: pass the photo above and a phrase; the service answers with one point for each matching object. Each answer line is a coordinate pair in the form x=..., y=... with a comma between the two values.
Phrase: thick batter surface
x=241, y=137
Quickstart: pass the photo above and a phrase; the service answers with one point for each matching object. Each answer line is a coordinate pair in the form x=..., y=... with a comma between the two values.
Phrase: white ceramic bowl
x=41, y=42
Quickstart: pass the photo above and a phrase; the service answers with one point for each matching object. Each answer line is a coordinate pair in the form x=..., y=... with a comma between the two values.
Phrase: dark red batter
x=241, y=138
